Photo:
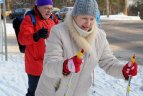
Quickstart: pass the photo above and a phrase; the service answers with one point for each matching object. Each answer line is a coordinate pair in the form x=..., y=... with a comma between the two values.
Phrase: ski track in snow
x=14, y=88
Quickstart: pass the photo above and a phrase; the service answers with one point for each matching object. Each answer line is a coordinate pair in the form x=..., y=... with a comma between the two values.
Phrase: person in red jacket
x=33, y=36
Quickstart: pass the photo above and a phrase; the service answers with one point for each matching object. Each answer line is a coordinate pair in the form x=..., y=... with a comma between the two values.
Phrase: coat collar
x=83, y=42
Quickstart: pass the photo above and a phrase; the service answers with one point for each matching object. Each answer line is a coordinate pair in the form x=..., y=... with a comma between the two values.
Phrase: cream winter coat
x=64, y=42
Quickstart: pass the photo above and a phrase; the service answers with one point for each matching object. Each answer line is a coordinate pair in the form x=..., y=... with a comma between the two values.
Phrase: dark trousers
x=32, y=84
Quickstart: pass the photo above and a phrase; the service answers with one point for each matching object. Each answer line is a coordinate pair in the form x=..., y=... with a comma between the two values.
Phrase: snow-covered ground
x=13, y=80
x=120, y=16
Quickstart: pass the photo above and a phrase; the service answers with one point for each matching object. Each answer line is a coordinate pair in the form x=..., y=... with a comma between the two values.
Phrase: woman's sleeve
x=53, y=58
x=109, y=63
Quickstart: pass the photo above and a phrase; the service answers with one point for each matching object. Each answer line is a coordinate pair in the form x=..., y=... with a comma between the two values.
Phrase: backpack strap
x=52, y=17
x=31, y=13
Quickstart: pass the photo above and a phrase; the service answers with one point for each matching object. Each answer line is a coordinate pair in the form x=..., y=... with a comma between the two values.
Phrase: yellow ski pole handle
x=80, y=54
x=133, y=59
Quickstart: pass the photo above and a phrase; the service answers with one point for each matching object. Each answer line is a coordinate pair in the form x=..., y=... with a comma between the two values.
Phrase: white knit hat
x=85, y=7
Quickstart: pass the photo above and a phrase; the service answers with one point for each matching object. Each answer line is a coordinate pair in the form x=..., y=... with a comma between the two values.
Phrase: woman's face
x=45, y=11
x=85, y=22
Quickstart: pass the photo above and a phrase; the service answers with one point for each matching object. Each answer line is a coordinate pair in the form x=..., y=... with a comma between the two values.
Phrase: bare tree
x=107, y=8
x=126, y=7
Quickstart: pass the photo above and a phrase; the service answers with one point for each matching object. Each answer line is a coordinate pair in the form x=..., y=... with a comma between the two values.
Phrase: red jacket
x=34, y=52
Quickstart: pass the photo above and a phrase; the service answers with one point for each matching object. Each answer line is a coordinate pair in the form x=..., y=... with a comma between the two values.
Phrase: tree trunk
x=107, y=8
x=8, y=5
x=126, y=7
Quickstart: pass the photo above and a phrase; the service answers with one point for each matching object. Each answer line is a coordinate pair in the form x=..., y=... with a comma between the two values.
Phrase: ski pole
x=133, y=58
x=79, y=55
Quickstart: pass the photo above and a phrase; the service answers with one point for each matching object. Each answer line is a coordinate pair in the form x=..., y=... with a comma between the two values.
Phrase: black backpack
x=16, y=25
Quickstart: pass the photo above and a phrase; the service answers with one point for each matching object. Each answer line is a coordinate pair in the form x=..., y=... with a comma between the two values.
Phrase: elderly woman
x=65, y=73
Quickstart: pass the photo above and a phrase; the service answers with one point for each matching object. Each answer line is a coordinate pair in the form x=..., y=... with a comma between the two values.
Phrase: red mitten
x=72, y=65
x=130, y=70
